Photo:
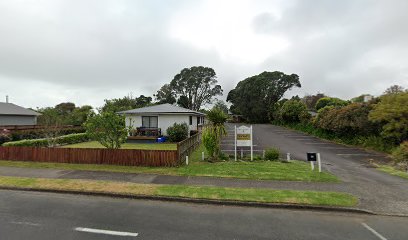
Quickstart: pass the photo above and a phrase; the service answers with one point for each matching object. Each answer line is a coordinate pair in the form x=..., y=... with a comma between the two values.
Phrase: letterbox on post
x=311, y=156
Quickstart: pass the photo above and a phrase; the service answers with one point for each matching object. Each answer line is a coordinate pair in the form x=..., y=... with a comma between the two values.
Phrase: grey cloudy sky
x=85, y=51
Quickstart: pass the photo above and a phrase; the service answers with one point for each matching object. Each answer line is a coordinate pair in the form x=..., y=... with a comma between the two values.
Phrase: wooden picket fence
x=124, y=157
x=187, y=146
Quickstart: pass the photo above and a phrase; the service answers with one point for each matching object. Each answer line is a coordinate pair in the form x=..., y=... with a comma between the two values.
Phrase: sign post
x=252, y=146
x=244, y=138
x=319, y=162
x=235, y=142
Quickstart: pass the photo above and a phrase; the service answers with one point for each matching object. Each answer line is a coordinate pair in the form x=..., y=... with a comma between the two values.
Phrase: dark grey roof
x=12, y=109
x=162, y=108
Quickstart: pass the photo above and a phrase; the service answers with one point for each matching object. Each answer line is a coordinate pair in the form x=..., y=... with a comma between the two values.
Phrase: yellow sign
x=243, y=137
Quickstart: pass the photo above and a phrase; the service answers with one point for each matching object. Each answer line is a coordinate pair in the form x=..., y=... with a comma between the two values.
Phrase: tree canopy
x=254, y=96
x=192, y=88
x=126, y=103
x=64, y=114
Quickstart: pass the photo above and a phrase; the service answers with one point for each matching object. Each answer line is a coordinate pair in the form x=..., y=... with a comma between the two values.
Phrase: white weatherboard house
x=154, y=120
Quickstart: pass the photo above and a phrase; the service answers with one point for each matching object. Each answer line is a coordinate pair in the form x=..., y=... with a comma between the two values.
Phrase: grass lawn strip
x=294, y=171
x=143, y=146
x=200, y=192
x=391, y=170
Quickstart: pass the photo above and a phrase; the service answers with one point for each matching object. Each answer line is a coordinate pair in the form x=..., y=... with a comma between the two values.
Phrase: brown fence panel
x=125, y=157
x=187, y=146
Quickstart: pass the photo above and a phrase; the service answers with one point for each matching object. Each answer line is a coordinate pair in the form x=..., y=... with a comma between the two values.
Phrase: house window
x=198, y=120
x=150, y=122
x=191, y=120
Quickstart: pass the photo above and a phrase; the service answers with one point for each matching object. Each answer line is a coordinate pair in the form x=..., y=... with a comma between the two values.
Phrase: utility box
x=311, y=157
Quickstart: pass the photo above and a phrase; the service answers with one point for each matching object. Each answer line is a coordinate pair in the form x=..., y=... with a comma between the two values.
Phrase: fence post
x=263, y=154
x=202, y=156
x=187, y=160
x=287, y=157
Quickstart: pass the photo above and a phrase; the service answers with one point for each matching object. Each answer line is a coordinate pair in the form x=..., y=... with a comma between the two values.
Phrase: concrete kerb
x=205, y=201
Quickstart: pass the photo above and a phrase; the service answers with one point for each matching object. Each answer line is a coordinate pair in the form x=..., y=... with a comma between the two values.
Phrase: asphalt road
x=377, y=191
x=35, y=216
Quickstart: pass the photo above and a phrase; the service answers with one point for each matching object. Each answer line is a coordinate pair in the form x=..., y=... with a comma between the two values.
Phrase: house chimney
x=7, y=99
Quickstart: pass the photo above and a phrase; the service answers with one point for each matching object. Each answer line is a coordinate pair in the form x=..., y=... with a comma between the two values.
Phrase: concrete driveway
x=377, y=191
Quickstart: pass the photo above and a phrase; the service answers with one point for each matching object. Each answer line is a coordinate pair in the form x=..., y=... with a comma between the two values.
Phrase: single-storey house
x=11, y=114
x=154, y=120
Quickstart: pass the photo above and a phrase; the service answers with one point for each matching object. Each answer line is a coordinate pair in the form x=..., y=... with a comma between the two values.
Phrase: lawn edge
x=200, y=200
x=335, y=181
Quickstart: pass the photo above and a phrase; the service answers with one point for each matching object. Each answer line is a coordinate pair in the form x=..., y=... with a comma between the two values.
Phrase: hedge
x=62, y=140
x=39, y=133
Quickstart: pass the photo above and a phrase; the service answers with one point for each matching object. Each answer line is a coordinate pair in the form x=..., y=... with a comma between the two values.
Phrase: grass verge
x=196, y=192
x=391, y=170
x=144, y=146
x=257, y=170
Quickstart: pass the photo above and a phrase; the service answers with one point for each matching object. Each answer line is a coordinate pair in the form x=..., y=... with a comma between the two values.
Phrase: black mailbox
x=311, y=156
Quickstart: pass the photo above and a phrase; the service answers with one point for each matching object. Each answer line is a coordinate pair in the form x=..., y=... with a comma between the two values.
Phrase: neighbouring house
x=153, y=121
x=11, y=114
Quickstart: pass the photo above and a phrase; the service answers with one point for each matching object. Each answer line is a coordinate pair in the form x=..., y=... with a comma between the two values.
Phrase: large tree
x=165, y=95
x=255, y=96
x=191, y=88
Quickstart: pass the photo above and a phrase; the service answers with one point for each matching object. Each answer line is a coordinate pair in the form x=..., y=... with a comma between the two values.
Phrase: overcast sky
x=85, y=51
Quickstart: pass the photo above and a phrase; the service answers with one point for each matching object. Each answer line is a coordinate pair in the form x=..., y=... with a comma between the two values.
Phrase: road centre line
x=106, y=232
x=373, y=231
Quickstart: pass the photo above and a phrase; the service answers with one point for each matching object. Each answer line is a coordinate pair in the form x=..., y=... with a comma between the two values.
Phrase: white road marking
x=26, y=223
x=107, y=232
x=373, y=231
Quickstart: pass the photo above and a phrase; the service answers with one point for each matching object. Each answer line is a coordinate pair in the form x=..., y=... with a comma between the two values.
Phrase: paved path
x=43, y=216
x=378, y=191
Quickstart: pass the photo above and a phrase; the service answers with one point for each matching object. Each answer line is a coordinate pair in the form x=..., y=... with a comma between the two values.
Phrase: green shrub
x=43, y=142
x=400, y=154
x=108, y=128
x=177, y=132
x=211, y=137
x=329, y=101
x=294, y=111
x=272, y=154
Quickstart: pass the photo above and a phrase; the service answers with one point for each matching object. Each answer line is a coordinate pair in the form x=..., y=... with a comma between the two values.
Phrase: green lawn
x=257, y=170
x=146, y=146
x=391, y=170
x=200, y=192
